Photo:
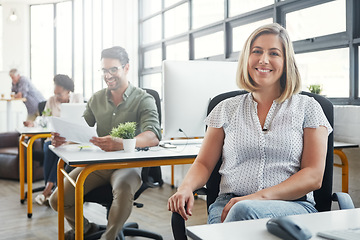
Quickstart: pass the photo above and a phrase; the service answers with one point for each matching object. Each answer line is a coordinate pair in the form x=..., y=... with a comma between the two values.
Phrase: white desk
x=256, y=229
x=31, y=134
x=9, y=121
x=95, y=159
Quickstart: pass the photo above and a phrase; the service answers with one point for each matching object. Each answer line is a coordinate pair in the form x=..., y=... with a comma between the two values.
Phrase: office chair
x=151, y=177
x=323, y=196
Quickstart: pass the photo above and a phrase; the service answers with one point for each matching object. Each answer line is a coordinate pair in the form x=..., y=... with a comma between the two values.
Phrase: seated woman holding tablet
x=272, y=140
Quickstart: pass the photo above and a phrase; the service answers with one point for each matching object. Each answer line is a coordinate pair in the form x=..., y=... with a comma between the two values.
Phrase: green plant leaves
x=124, y=130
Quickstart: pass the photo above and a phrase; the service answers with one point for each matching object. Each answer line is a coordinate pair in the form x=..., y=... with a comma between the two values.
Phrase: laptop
x=73, y=112
x=343, y=234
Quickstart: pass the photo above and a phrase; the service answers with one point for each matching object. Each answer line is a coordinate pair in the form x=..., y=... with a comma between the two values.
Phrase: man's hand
x=28, y=123
x=107, y=143
x=57, y=140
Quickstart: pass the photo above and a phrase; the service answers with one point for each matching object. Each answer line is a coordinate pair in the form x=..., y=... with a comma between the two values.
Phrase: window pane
x=1, y=35
x=178, y=51
x=241, y=33
x=78, y=47
x=209, y=45
x=42, y=48
x=237, y=7
x=176, y=20
x=207, y=11
x=153, y=81
x=88, y=49
x=320, y=68
x=170, y=2
x=327, y=18
x=149, y=7
x=97, y=46
x=151, y=30
x=64, y=38
x=152, y=58
x=358, y=72
x=108, y=24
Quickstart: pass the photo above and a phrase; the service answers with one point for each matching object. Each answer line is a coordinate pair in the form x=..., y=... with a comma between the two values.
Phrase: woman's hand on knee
x=182, y=202
x=228, y=206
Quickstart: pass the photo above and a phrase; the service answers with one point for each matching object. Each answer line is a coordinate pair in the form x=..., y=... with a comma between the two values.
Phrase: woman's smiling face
x=266, y=61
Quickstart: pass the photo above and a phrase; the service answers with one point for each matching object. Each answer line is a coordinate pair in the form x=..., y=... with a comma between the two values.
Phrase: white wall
x=16, y=54
x=15, y=38
x=347, y=124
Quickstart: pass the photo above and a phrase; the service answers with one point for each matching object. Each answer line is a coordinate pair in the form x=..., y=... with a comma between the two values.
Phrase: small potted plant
x=126, y=131
x=43, y=120
x=315, y=88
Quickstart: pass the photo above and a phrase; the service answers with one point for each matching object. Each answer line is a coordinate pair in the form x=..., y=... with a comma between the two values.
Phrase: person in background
x=23, y=88
x=272, y=140
x=120, y=102
x=63, y=93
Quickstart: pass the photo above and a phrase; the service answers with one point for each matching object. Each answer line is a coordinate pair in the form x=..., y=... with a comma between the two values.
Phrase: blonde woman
x=264, y=173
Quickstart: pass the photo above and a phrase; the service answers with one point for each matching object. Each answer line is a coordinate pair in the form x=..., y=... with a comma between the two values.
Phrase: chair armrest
x=344, y=200
x=178, y=227
x=9, y=139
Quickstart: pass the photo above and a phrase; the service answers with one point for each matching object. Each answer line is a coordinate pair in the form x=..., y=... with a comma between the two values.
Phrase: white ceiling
x=31, y=1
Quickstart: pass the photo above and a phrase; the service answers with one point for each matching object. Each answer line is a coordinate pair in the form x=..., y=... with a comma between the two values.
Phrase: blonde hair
x=290, y=80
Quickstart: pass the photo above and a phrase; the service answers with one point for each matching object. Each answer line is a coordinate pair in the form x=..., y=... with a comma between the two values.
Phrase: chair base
x=129, y=229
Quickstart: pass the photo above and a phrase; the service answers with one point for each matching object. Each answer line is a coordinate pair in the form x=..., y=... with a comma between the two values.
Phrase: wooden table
x=95, y=159
x=26, y=140
x=338, y=150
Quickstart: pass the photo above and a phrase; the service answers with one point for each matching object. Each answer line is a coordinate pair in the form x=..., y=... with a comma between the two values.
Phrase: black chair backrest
x=156, y=96
x=41, y=107
x=323, y=195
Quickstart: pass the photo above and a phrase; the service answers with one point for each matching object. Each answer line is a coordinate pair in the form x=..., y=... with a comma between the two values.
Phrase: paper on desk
x=80, y=133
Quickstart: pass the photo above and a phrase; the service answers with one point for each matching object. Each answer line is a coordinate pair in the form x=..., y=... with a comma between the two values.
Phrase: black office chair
x=151, y=177
x=323, y=196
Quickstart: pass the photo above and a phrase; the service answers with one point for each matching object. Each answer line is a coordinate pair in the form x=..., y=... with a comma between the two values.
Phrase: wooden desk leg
x=22, y=169
x=29, y=172
x=172, y=176
x=79, y=200
x=345, y=169
x=60, y=183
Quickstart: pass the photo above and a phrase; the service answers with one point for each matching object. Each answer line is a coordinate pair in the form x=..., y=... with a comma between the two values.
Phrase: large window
x=67, y=38
x=325, y=34
x=1, y=34
x=42, y=47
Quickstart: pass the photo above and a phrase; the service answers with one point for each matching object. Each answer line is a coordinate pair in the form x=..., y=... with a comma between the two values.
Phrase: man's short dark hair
x=116, y=52
x=64, y=81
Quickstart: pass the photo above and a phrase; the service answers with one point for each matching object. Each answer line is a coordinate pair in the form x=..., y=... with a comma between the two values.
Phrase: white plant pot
x=129, y=145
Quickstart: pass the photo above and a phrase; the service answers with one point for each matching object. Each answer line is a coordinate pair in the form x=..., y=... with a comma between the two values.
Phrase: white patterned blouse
x=254, y=159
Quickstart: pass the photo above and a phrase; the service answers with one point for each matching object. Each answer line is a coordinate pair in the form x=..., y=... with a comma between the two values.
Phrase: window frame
x=349, y=39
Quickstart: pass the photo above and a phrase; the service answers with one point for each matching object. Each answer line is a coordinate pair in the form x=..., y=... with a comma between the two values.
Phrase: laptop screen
x=73, y=112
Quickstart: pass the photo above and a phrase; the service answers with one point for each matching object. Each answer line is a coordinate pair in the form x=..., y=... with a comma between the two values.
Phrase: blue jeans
x=50, y=164
x=256, y=209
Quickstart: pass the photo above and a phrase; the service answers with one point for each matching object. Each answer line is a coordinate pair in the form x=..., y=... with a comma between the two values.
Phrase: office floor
x=153, y=216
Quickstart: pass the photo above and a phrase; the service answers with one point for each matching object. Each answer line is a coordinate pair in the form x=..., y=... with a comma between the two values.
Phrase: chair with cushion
x=151, y=177
x=323, y=196
x=9, y=157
